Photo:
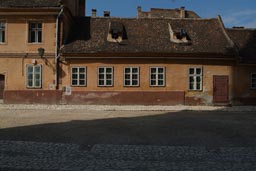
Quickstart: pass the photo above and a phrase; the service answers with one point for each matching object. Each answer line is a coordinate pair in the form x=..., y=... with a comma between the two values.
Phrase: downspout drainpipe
x=57, y=54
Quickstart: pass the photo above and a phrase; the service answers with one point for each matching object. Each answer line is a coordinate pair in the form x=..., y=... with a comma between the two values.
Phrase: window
x=78, y=76
x=253, y=80
x=195, y=78
x=157, y=76
x=35, y=32
x=105, y=76
x=2, y=32
x=34, y=76
x=131, y=76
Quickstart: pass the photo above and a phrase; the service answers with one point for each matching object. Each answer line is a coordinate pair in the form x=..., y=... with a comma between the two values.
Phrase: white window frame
x=194, y=75
x=131, y=79
x=78, y=74
x=157, y=79
x=105, y=79
x=253, y=80
x=37, y=29
x=34, y=75
x=3, y=31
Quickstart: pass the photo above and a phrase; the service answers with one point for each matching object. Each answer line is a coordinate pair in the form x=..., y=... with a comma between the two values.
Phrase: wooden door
x=2, y=82
x=220, y=89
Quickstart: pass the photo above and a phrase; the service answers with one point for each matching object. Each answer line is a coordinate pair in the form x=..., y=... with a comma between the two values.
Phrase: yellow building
x=51, y=53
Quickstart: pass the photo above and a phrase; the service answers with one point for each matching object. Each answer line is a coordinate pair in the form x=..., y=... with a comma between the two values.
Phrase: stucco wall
x=176, y=77
x=17, y=34
x=14, y=70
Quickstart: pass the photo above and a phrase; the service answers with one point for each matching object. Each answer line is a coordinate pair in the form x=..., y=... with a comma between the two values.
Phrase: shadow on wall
x=184, y=128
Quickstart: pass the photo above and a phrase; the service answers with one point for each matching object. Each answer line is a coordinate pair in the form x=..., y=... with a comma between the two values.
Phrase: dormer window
x=116, y=32
x=180, y=36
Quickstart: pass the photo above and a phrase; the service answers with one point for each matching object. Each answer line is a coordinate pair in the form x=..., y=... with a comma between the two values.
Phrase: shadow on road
x=174, y=128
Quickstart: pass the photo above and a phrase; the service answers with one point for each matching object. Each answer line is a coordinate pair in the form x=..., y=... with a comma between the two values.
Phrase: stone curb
x=129, y=108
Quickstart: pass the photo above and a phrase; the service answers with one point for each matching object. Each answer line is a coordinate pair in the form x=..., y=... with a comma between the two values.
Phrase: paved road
x=74, y=140
x=68, y=157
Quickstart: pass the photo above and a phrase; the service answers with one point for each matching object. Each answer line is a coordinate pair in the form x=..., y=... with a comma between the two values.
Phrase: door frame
x=214, y=83
x=4, y=80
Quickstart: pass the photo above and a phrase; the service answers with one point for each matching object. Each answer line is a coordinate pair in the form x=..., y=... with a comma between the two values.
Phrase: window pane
x=135, y=70
x=160, y=70
x=109, y=82
x=153, y=82
x=32, y=36
x=127, y=70
x=198, y=79
x=198, y=86
x=101, y=70
x=81, y=82
x=74, y=82
x=74, y=76
x=191, y=79
x=82, y=76
x=161, y=76
x=109, y=76
x=37, y=69
x=134, y=82
x=127, y=76
x=37, y=83
x=101, y=76
x=39, y=36
x=74, y=70
x=191, y=86
x=39, y=25
x=191, y=71
x=134, y=76
x=153, y=77
x=109, y=70
x=37, y=76
x=160, y=82
x=2, y=36
x=32, y=25
x=198, y=71
x=101, y=82
x=30, y=69
x=30, y=76
x=30, y=83
x=81, y=70
x=127, y=82
x=153, y=70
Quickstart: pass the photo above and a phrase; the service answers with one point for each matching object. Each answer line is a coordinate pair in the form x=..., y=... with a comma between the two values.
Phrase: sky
x=233, y=12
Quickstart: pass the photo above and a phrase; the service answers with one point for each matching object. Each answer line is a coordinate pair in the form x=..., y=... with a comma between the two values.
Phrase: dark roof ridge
x=135, y=18
x=242, y=29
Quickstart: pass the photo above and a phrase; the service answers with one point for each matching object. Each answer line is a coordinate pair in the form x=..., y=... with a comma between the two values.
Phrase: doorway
x=2, y=83
x=220, y=89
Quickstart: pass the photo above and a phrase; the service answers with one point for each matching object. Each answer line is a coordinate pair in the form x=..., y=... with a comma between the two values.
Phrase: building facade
x=162, y=57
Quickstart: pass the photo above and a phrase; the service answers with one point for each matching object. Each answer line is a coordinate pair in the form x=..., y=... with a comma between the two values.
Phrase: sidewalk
x=127, y=108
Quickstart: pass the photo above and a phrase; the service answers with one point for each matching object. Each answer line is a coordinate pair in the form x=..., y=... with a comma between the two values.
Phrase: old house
x=30, y=32
x=162, y=57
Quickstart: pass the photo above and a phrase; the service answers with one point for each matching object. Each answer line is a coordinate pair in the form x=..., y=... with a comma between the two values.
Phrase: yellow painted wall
x=17, y=34
x=176, y=76
x=14, y=70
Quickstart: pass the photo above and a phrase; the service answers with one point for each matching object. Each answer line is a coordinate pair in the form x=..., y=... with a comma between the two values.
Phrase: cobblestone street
x=69, y=157
x=74, y=138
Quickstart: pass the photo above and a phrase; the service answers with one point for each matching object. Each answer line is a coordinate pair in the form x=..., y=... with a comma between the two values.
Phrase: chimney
x=94, y=12
x=106, y=13
x=182, y=12
x=139, y=10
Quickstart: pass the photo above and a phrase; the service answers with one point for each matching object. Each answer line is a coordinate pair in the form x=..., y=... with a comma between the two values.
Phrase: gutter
x=57, y=54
